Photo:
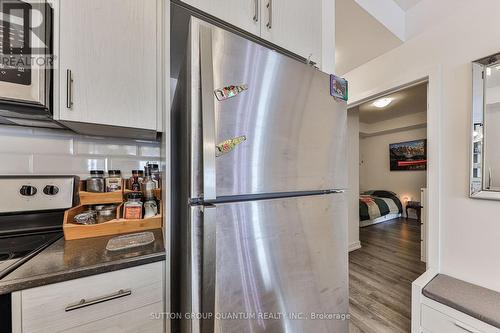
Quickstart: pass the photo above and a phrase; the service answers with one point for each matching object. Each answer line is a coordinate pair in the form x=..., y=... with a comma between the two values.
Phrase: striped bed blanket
x=372, y=207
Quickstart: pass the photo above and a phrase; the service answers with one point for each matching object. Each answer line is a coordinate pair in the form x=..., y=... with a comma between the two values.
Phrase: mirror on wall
x=485, y=154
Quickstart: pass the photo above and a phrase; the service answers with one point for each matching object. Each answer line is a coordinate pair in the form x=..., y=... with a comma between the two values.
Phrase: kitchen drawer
x=135, y=321
x=45, y=309
x=434, y=321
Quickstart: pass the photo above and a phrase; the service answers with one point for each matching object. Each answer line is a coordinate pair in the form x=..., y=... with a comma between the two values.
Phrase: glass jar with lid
x=96, y=181
x=132, y=208
x=114, y=181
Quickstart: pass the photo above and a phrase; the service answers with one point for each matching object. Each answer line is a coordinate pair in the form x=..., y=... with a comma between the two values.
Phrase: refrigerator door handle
x=208, y=275
x=208, y=113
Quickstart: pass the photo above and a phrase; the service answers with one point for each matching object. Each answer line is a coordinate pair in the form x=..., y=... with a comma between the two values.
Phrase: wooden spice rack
x=119, y=225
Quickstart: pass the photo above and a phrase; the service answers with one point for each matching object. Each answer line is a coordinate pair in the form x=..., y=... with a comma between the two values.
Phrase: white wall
x=38, y=151
x=353, y=177
x=374, y=170
x=469, y=228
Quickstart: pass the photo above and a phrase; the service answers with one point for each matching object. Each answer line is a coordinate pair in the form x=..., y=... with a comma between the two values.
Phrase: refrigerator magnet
x=229, y=91
x=228, y=145
x=338, y=87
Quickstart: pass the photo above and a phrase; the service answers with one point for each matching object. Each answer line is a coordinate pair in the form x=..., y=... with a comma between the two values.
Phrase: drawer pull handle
x=84, y=302
x=465, y=327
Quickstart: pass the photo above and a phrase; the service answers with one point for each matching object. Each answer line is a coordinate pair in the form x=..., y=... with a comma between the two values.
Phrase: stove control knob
x=28, y=190
x=51, y=190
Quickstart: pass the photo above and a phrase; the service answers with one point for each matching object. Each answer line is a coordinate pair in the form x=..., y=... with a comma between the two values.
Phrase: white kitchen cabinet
x=245, y=14
x=109, y=63
x=294, y=25
x=142, y=320
x=98, y=302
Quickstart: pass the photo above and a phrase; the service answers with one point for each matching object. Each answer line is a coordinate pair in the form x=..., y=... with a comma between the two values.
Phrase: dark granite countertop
x=67, y=260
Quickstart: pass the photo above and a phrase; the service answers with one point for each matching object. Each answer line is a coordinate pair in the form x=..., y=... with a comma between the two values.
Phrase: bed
x=378, y=206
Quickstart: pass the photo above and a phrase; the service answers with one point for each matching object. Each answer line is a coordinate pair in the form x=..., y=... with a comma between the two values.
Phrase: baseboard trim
x=354, y=246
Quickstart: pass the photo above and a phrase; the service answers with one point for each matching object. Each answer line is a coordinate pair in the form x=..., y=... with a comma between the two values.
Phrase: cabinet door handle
x=69, y=89
x=88, y=302
x=270, y=9
x=256, y=11
x=466, y=327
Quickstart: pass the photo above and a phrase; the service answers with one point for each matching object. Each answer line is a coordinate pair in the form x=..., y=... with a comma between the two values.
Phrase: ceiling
x=406, y=4
x=408, y=101
x=359, y=36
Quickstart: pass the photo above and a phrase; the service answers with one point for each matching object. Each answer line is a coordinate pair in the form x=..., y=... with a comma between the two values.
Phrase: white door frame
x=433, y=76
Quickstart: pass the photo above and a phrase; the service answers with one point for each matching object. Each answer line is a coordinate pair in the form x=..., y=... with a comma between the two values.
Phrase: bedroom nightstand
x=414, y=205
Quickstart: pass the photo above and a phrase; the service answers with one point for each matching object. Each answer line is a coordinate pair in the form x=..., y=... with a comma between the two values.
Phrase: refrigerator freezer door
x=290, y=133
x=279, y=263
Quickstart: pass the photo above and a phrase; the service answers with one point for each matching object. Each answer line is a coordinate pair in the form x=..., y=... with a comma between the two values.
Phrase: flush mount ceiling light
x=382, y=103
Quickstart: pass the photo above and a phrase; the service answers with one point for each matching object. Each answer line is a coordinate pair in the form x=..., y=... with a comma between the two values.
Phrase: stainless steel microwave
x=26, y=65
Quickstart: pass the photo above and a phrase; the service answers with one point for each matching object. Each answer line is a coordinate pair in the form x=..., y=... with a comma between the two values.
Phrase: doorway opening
x=388, y=165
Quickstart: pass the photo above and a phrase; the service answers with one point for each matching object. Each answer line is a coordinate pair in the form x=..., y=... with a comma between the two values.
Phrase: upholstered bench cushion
x=478, y=302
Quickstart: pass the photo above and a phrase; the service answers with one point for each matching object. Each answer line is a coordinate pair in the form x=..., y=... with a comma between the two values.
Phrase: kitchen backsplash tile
x=15, y=130
x=16, y=164
x=98, y=148
x=25, y=150
x=31, y=143
x=152, y=151
x=62, y=165
x=127, y=165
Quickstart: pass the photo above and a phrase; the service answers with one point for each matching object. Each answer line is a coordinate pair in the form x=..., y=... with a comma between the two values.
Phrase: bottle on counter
x=132, y=208
x=148, y=185
x=114, y=181
x=96, y=182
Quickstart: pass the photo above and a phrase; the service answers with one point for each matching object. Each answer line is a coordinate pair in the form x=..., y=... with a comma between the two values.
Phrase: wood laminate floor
x=380, y=277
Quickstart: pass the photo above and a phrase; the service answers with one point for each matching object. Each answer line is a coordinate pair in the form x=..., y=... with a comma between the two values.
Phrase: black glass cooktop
x=16, y=250
x=22, y=236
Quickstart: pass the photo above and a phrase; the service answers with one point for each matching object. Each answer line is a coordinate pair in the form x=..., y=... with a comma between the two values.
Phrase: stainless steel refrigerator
x=259, y=214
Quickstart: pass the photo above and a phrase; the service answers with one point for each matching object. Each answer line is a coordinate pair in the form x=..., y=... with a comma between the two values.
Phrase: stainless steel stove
x=31, y=216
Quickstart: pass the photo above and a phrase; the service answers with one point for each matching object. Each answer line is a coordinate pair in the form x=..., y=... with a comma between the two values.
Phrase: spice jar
x=105, y=213
x=88, y=217
x=155, y=174
x=150, y=209
x=96, y=182
x=136, y=180
x=132, y=209
x=114, y=181
x=148, y=185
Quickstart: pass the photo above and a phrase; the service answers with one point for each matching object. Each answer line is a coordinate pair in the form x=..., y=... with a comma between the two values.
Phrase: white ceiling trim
x=389, y=13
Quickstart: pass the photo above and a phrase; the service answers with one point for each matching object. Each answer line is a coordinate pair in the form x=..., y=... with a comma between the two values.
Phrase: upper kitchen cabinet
x=109, y=73
x=245, y=14
x=294, y=25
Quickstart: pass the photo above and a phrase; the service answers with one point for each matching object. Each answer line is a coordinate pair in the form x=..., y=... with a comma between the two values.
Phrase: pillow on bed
x=384, y=194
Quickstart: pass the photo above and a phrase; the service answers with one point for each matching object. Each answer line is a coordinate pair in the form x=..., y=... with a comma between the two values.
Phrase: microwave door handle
x=208, y=114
